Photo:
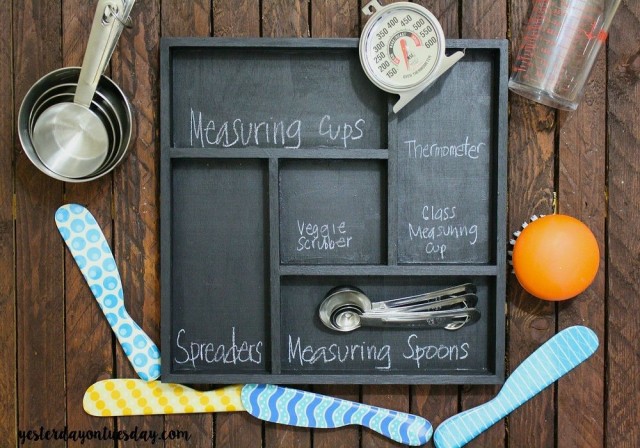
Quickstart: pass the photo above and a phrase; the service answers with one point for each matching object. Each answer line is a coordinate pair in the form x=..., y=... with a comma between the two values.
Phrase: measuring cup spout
x=107, y=26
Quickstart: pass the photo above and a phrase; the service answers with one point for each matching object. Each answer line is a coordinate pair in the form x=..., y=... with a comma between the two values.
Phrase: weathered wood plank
x=8, y=387
x=447, y=13
x=581, y=194
x=135, y=68
x=193, y=18
x=485, y=19
x=285, y=18
x=334, y=18
x=531, y=322
x=180, y=18
x=39, y=249
x=236, y=18
x=435, y=403
x=623, y=344
x=88, y=342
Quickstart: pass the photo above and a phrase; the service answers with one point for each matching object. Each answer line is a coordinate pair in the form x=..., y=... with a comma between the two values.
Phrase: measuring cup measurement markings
x=559, y=47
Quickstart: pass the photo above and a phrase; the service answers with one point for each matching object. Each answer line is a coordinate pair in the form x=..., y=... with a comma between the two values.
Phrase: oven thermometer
x=402, y=49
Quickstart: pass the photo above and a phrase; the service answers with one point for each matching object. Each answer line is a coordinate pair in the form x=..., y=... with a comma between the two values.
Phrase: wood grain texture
x=435, y=403
x=239, y=18
x=331, y=18
x=447, y=13
x=623, y=345
x=135, y=69
x=39, y=250
x=285, y=18
x=180, y=18
x=531, y=321
x=8, y=387
x=581, y=194
x=88, y=358
x=44, y=301
x=484, y=19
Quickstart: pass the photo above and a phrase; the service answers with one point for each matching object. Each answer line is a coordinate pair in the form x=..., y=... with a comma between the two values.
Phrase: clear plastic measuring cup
x=559, y=47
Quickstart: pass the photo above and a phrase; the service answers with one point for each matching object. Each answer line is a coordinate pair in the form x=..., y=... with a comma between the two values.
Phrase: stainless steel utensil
x=347, y=308
x=69, y=137
x=108, y=95
x=64, y=142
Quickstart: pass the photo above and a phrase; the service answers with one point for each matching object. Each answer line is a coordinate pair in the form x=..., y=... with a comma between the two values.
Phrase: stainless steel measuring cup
x=109, y=97
x=347, y=308
x=77, y=140
x=559, y=47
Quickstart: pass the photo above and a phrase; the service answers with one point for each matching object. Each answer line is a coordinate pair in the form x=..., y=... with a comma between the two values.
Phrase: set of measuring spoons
x=348, y=308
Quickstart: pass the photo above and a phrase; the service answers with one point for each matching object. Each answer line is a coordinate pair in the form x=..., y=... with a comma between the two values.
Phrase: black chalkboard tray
x=284, y=173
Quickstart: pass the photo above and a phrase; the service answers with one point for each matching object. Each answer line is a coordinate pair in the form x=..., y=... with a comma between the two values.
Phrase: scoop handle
x=300, y=408
x=551, y=361
x=105, y=30
x=92, y=254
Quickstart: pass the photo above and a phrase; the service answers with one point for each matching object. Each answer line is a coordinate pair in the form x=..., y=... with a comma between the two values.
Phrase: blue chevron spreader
x=299, y=408
x=547, y=364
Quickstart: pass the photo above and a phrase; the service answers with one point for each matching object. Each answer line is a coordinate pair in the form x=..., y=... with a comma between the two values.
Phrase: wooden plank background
x=54, y=341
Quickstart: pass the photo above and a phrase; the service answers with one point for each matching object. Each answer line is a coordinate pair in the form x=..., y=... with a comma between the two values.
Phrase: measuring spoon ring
x=347, y=308
x=92, y=253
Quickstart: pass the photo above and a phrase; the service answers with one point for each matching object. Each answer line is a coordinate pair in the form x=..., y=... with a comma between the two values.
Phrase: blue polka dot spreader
x=92, y=254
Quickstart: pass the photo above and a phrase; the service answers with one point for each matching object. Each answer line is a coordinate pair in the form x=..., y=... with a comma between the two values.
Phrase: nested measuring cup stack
x=75, y=123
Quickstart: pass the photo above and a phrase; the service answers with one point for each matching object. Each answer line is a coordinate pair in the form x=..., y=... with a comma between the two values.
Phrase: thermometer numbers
x=402, y=48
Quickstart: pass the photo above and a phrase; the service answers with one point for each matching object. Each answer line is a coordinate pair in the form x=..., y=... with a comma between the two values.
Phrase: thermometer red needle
x=403, y=45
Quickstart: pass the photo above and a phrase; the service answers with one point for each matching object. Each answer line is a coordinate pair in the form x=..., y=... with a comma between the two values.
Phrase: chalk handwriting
x=419, y=353
x=440, y=225
x=468, y=150
x=238, y=133
x=279, y=133
x=235, y=352
x=343, y=131
x=338, y=353
x=322, y=236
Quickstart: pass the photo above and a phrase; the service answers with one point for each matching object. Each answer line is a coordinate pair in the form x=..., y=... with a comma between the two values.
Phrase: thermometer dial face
x=401, y=46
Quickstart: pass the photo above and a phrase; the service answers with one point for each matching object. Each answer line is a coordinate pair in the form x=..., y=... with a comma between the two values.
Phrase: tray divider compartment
x=391, y=270
x=274, y=262
x=276, y=153
x=290, y=287
x=392, y=188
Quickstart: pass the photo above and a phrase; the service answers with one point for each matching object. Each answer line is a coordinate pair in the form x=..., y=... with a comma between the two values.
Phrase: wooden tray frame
x=496, y=271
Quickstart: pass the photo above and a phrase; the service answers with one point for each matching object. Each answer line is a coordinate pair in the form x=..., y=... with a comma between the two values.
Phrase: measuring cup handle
x=105, y=30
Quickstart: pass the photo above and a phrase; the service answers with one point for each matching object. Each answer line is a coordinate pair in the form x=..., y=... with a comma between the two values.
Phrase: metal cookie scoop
x=347, y=308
